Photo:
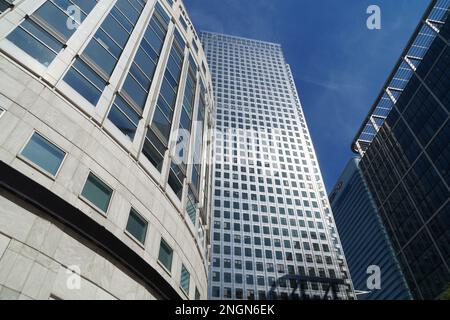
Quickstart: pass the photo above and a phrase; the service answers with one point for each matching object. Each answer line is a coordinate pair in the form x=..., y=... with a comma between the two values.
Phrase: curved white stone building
x=97, y=199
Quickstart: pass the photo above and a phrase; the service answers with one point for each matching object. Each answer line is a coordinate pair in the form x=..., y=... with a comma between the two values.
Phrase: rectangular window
x=2, y=112
x=195, y=46
x=4, y=5
x=165, y=255
x=44, y=154
x=97, y=192
x=124, y=117
x=191, y=210
x=216, y=292
x=137, y=226
x=185, y=279
x=176, y=180
x=183, y=23
x=154, y=150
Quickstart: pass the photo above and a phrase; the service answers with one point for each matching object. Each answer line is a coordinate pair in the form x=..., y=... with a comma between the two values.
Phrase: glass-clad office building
x=405, y=144
x=105, y=117
x=272, y=230
x=364, y=240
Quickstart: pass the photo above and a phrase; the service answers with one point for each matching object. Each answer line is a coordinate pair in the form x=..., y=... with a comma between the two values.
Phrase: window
x=165, y=255
x=44, y=154
x=137, y=226
x=97, y=192
x=191, y=210
x=4, y=5
x=183, y=23
x=215, y=292
x=2, y=112
x=185, y=279
x=124, y=117
x=195, y=46
x=176, y=180
x=227, y=293
x=154, y=150
x=43, y=34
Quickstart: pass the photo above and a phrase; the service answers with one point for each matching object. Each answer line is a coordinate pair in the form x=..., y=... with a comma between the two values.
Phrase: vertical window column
x=198, y=143
x=179, y=163
x=157, y=138
x=197, y=161
x=130, y=102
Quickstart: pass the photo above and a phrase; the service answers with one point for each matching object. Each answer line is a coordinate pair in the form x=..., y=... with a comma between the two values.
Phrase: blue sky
x=339, y=64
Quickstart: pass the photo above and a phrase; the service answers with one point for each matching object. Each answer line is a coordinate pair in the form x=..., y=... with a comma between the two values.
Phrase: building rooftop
x=406, y=66
x=241, y=38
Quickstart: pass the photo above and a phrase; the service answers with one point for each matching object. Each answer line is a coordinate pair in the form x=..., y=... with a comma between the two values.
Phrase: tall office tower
x=405, y=144
x=96, y=199
x=366, y=245
x=272, y=228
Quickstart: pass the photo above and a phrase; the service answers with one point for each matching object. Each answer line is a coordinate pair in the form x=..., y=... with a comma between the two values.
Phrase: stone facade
x=35, y=249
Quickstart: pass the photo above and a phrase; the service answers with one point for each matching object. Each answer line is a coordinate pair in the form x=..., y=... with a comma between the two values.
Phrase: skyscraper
x=272, y=228
x=364, y=239
x=96, y=202
x=405, y=149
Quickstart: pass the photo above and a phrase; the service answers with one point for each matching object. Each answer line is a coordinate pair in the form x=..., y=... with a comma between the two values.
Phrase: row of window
x=40, y=152
x=261, y=281
x=237, y=238
x=44, y=34
x=269, y=251
x=281, y=293
x=226, y=215
x=269, y=267
x=256, y=227
x=275, y=231
x=258, y=113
